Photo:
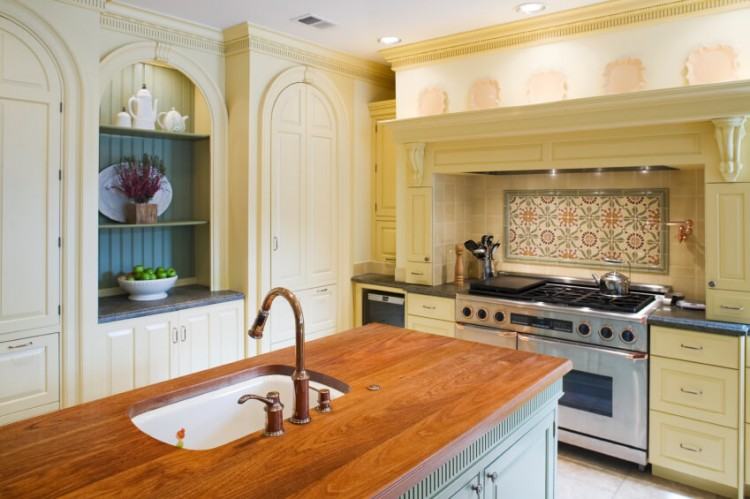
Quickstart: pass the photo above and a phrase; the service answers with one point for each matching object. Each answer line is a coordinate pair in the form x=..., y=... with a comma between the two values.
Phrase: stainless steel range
x=605, y=406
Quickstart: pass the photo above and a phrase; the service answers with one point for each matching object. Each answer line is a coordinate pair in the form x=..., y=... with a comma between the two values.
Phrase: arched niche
x=209, y=200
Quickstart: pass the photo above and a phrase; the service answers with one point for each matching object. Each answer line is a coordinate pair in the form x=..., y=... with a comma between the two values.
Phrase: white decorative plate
x=712, y=64
x=112, y=202
x=432, y=101
x=484, y=94
x=624, y=75
x=548, y=86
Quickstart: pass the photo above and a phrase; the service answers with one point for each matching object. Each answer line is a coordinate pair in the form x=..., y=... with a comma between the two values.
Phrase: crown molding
x=575, y=22
x=158, y=27
x=251, y=38
x=383, y=109
x=87, y=4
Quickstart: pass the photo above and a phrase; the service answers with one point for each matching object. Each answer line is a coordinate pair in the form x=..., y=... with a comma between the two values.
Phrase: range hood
x=556, y=171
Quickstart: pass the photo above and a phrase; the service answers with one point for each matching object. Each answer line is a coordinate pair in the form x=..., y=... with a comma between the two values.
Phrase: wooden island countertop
x=438, y=395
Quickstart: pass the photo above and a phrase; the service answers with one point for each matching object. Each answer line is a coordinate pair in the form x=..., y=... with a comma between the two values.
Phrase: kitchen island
x=450, y=417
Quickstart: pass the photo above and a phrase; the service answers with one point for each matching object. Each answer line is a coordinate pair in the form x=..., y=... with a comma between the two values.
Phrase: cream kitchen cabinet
x=137, y=352
x=728, y=251
x=30, y=374
x=319, y=308
x=383, y=183
x=431, y=314
x=419, y=238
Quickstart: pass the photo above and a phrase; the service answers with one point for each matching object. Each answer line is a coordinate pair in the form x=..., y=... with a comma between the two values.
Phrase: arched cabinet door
x=30, y=133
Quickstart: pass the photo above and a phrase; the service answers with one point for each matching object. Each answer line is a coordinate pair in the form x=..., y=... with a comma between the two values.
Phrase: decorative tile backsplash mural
x=582, y=227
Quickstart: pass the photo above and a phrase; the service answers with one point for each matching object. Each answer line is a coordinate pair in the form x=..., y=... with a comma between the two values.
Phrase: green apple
x=161, y=275
x=171, y=272
x=160, y=269
x=138, y=276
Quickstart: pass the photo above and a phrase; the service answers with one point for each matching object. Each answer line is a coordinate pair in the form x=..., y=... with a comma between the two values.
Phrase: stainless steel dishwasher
x=383, y=307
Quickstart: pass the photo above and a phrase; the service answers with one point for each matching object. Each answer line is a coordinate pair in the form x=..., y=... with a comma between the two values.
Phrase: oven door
x=606, y=393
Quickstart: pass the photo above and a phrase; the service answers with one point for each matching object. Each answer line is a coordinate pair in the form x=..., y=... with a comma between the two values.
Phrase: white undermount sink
x=215, y=418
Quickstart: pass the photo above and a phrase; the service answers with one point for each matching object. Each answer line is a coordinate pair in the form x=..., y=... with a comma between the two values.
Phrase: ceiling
x=358, y=23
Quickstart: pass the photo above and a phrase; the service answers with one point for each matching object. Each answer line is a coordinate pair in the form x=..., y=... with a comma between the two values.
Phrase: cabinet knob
x=427, y=259
x=477, y=487
x=492, y=476
x=711, y=284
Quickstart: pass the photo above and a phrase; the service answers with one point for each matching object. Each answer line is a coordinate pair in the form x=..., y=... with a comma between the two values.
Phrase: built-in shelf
x=183, y=223
x=156, y=134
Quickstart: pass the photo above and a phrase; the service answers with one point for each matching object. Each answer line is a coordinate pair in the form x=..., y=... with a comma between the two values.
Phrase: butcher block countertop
x=438, y=395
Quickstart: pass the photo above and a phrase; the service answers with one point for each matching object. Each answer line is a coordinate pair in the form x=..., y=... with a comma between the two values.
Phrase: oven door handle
x=608, y=351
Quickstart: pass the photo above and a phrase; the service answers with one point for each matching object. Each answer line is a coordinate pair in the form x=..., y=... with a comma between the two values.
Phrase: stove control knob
x=606, y=333
x=499, y=316
x=466, y=311
x=584, y=329
x=627, y=336
x=482, y=313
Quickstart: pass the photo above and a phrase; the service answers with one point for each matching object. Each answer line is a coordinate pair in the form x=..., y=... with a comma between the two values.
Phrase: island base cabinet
x=129, y=354
x=516, y=459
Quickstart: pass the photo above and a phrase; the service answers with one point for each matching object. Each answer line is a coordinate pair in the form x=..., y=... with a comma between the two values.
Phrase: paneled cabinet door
x=471, y=489
x=728, y=236
x=385, y=241
x=226, y=333
x=29, y=186
x=419, y=214
x=385, y=172
x=156, y=337
x=193, y=347
x=30, y=374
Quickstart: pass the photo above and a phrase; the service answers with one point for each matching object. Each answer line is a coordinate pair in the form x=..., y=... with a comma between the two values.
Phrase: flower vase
x=140, y=213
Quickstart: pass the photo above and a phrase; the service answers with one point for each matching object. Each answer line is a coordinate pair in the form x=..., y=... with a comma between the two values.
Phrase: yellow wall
x=468, y=206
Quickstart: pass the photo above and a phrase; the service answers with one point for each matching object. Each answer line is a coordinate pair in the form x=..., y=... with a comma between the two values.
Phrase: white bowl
x=147, y=290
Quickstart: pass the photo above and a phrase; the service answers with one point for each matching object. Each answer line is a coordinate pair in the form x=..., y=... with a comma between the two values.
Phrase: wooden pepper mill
x=459, y=272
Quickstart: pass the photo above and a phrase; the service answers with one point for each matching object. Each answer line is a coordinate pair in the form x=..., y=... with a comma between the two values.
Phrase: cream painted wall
x=663, y=48
x=467, y=206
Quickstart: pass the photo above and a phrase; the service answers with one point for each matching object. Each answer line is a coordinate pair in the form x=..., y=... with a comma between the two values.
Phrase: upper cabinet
x=383, y=182
x=728, y=251
x=30, y=133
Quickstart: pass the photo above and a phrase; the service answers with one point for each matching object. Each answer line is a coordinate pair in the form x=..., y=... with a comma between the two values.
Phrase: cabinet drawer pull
x=428, y=307
x=22, y=345
x=690, y=448
x=184, y=333
x=416, y=273
x=732, y=307
x=691, y=392
x=688, y=347
x=176, y=336
x=324, y=290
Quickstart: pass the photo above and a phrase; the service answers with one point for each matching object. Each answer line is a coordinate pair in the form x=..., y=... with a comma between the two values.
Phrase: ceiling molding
x=251, y=38
x=87, y=4
x=575, y=22
x=384, y=109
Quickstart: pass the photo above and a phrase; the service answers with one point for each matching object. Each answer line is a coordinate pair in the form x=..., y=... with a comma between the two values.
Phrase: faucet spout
x=300, y=377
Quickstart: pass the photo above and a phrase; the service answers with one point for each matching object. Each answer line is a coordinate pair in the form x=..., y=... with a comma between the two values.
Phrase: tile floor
x=586, y=475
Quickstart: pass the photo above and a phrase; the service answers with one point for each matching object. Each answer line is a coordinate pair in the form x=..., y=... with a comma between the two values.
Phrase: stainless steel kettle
x=614, y=284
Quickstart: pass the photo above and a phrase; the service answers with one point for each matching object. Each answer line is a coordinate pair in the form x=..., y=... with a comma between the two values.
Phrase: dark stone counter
x=118, y=308
x=695, y=320
x=444, y=290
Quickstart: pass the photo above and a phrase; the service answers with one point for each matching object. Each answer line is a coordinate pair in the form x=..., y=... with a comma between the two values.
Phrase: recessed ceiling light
x=531, y=7
x=389, y=40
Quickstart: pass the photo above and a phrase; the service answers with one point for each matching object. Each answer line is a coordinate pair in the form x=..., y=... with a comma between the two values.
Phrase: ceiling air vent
x=313, y=21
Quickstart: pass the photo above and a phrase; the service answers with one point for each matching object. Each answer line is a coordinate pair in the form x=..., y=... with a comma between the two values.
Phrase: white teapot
x=145, y=113
x=172, y=121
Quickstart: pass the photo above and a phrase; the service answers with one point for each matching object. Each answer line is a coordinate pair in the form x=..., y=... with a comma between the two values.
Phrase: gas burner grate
x=575, y=296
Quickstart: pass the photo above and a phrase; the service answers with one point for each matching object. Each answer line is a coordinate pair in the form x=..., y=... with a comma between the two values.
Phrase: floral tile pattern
x=583, y=227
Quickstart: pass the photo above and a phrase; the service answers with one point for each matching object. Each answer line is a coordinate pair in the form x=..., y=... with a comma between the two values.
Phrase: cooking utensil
x=613, y=284
x=471, y=245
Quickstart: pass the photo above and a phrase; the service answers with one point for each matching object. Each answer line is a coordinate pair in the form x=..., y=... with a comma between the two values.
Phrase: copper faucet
x=300, y=377
x=274, y=412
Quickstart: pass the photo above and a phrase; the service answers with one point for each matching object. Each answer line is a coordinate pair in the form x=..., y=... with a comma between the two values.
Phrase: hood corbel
x=729, y=133
x=415, y=154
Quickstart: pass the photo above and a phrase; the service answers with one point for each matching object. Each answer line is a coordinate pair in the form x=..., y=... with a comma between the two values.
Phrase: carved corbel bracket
x=729, y=133
x=415, y=154
x=162, y=52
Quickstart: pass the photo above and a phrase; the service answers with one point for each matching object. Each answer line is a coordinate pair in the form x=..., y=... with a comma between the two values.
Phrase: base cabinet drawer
x=712, y=349
x=432, y=326
x=30, y=374
x=694, y=448
x=419, y=273
x=732, y=306
x=432, y=307
x=697, y=391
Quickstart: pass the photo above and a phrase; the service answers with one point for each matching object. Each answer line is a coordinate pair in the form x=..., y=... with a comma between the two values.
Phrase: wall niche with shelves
x=181, y=236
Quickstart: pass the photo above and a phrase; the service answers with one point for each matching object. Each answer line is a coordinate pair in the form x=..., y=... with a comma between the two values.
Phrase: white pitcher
x=172, y=121
x=145, y=113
